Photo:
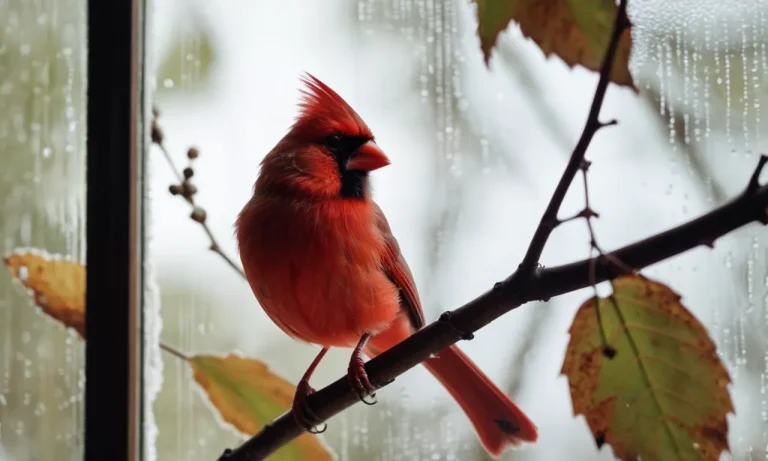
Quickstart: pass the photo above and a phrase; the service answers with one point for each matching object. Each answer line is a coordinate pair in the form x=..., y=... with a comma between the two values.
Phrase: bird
x=323, y=263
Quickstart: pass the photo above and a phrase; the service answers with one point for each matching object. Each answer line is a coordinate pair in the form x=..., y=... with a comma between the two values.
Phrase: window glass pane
x=475, y=153
x=42, y=207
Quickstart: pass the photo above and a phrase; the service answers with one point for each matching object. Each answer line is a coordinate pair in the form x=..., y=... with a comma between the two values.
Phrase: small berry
x=198, y=214
x=157, y=134
x=189, y=190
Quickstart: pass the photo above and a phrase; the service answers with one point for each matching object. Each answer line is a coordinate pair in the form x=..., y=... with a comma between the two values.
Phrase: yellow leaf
x=57, y=284
x=663, y=395
x=576, y=30
x=248, y=396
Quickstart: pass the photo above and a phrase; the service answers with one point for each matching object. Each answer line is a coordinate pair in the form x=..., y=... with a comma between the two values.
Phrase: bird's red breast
x=316, y=268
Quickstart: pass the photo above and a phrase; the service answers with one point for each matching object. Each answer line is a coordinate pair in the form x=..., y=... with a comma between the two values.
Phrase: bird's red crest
x=324, y=112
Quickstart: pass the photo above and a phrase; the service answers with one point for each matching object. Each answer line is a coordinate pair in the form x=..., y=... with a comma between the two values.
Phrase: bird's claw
x=358, y=378
x=303, y=414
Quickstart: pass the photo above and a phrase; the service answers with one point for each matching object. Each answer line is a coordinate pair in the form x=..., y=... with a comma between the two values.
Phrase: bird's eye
x=333, y=142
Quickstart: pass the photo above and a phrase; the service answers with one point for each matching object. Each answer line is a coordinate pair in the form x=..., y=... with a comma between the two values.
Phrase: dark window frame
x=116, y=106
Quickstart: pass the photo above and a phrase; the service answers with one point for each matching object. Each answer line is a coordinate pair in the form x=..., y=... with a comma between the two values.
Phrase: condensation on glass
x=42, y=207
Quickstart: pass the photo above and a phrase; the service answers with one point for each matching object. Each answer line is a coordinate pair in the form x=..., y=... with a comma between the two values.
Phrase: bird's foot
x=303, y=414
x=358, y=378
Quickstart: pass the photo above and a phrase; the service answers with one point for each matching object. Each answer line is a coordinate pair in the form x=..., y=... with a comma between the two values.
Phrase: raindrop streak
x=727, y=60
x=745, y=81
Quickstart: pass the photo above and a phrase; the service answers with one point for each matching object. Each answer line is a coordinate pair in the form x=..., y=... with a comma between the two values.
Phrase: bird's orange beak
x=367, y=157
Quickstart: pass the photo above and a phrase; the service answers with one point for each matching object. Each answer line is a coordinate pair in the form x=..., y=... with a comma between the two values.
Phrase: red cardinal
x=323, y=263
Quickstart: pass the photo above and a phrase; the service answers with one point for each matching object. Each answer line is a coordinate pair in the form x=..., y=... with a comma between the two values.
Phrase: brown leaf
x=576, y=30
x=248, y=396
x=56, y=284
x=663, y=395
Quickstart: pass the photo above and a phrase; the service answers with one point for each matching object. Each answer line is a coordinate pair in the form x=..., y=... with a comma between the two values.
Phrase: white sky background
x=640, y=184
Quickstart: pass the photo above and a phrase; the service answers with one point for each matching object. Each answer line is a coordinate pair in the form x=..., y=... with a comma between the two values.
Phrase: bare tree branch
x=750, y=206
x=549, y=220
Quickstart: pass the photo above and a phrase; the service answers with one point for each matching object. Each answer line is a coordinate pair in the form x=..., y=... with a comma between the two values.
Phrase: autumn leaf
x=57, y=284
x=663, y=395
x=577, y=31
x=248, y=396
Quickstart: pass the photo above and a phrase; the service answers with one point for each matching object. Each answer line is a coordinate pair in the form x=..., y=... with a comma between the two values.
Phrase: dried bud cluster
x=157, y=133
x=186, y=189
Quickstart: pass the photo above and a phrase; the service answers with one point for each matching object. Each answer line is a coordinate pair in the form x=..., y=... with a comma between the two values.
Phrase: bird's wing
x=398, y=271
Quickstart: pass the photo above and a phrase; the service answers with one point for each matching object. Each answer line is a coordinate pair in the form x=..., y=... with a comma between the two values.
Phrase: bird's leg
x=304, y=415
x=358, y=378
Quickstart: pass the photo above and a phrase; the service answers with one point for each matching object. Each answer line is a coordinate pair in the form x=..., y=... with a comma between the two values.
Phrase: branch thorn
x=588, y=213
x=447, y=317
x=754, y=181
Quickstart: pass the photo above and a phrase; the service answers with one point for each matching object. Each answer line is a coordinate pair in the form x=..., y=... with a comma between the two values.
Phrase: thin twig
x=750, y=206
x=186, y=190
x=549, y=218
x=174, y=352
x=588, y=213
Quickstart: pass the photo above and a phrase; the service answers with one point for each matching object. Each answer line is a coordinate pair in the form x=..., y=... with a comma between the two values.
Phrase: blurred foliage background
x=476, y=153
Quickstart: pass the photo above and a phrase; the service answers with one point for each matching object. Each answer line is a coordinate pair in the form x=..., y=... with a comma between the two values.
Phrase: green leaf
x=576, y=30
x=663, y=395
x=248, y=396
